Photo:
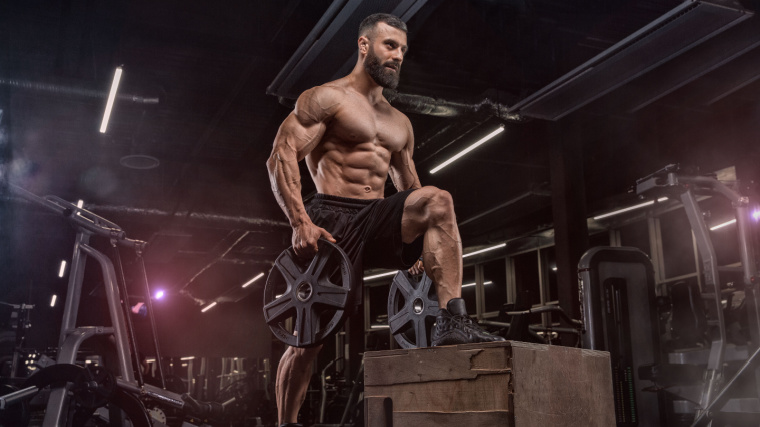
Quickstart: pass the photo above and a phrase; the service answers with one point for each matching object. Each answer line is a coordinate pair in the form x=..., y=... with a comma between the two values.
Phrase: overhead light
x=377, y=276
x=467, y=285
x=756, y=214
x=208, y=307
x=111, y=98
x=630, y=208
x=379, y=327
x=259, y=276
x=727, y=223
x=53, y=299
x=187, y=358
x=158, y=295
x=484, y=250
x=480, y=142
x=62, y=270
x=391, y=273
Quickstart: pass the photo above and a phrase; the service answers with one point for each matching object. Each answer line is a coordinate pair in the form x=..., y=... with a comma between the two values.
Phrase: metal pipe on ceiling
x=57, y=89
x=426, y=105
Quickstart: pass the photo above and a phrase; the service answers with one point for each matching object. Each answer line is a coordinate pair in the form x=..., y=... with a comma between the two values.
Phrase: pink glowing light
x=159, y=295
x=756, y=214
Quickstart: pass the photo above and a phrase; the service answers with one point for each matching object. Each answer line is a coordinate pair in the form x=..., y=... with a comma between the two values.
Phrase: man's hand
x=417, y=268
x=305, y=237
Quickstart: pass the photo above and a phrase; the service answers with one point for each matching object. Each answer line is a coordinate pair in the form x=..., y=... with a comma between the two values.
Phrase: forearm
x=285, y=179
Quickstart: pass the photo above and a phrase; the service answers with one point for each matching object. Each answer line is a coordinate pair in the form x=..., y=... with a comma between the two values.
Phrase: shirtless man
x=352, y=139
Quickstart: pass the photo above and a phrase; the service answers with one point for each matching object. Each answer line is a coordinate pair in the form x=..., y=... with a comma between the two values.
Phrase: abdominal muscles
x=358, y=171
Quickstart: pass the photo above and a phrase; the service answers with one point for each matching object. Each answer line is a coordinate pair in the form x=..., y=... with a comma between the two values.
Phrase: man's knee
x=439, y=206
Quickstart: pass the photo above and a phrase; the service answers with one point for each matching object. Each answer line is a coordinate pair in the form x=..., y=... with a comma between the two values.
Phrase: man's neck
x=364, y=84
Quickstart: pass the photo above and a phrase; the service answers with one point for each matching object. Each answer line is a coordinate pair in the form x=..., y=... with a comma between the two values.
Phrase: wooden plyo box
x=509, y=383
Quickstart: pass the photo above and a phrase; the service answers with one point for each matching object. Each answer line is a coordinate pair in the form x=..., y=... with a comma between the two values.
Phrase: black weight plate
x=313, y=294
x=412, y=308
x=93, y=387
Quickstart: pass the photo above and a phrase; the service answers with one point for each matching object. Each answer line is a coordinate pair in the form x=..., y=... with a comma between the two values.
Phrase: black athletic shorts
x=368, y=231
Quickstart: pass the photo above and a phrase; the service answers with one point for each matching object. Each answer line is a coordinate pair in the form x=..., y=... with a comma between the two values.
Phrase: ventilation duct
x=333, y=41
x=688, y=25
x=426, y=105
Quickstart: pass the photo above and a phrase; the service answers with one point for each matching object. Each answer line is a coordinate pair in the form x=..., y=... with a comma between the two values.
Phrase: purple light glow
x=756, y=214
x=159, y=295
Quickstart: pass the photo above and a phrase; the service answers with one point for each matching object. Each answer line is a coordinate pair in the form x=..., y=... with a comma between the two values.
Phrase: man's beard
x=381, y=75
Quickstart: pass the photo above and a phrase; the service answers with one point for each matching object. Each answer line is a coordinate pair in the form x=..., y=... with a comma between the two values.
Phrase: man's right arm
x=301, y=131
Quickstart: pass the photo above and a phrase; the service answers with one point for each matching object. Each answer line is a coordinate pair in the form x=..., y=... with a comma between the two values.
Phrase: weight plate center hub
x=418, y=305
x=303, y=291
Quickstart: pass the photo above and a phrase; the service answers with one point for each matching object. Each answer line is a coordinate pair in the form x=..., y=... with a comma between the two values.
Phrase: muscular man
x=352, y=139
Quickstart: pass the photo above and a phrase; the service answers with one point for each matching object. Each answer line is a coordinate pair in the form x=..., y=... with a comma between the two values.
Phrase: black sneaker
x=453, y=326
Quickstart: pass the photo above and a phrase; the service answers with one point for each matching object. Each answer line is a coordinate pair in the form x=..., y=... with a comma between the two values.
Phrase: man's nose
x=397, y=55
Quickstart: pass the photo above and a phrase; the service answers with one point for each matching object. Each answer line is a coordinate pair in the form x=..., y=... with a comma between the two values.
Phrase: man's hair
x=368, y=24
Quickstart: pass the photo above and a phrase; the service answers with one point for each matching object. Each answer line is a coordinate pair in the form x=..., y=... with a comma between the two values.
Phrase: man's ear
x=363, y=44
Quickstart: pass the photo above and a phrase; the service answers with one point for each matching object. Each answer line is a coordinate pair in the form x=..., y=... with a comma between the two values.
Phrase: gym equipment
x=73, y=386
x=412, y=307
x=312, y=295
x=715, y=398
x=617, y=293
x=691, y=384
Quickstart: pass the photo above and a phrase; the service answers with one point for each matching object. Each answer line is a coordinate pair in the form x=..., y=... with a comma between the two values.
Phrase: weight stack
x=617, y=290
x=507, y=383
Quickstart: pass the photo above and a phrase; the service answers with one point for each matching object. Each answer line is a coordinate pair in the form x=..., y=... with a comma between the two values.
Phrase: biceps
x=296, y=139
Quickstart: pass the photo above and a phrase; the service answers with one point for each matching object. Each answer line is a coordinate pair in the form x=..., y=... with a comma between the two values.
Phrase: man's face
x=387, y=46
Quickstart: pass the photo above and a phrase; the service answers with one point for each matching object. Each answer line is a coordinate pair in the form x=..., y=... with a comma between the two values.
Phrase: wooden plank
x=453, y=419
x=561, y=386
x=486, y=393
x=436, y=364
x=378, y=411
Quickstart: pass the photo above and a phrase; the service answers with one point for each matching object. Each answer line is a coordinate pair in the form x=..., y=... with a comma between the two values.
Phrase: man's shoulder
x=319, y=101
x=334, y=90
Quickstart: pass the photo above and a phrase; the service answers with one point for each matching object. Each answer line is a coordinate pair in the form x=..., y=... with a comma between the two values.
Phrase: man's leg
x=292, y=381
x=430, y=211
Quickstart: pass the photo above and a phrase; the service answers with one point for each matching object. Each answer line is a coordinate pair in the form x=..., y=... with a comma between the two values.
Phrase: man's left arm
x=402, y=170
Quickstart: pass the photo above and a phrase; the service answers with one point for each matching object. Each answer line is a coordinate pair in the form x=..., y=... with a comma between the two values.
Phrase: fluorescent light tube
x=630, y=208
x=377, y=276
x=259, y=276
x=62, y=270
x=473, y=284
x=484, y=250
x=52, y=300
x=208, y=307
x=733, y=221
x=480, y=142
x=391, y=273
x=111, y=98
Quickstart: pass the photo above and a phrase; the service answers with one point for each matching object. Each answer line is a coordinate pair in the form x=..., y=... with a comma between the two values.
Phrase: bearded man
x=352, y=139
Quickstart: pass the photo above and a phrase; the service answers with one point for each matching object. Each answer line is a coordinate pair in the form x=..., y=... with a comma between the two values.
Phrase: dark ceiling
x=194, y=96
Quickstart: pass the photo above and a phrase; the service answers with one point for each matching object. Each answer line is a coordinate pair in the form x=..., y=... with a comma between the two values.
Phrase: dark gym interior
x=652, y=105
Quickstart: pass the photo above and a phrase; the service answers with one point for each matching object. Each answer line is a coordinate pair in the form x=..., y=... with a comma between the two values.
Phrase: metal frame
x=71, y=336
x=685, y=186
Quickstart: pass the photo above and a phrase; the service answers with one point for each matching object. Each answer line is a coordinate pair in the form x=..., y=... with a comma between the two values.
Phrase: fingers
x=328, y=236
x=306, y=238
x=417, y=268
